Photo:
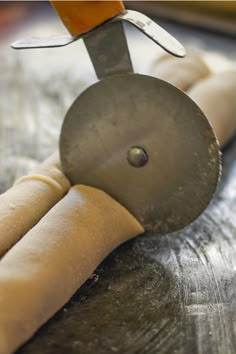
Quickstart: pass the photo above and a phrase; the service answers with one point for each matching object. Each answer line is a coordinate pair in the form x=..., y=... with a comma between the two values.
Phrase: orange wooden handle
x=81, y=16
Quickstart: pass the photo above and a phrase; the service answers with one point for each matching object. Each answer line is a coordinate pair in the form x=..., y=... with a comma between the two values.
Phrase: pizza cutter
x=138, y=138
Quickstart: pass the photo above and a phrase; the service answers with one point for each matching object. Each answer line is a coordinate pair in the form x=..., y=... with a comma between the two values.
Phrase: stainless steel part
x=142, y=22
x=108, y=49
x=127, y=110
x=153, y=31
x=48, y=42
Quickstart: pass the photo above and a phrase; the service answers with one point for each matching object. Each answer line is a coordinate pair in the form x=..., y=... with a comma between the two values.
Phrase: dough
x=30, y=198
x=214, y=93
x=42, y=271
x=181, y=72
x=216, y=97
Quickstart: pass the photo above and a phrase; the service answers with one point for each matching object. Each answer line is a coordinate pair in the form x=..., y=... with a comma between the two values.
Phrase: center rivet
x=137, y=156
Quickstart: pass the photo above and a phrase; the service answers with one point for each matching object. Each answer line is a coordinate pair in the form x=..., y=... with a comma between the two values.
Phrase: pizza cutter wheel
x=145, y=143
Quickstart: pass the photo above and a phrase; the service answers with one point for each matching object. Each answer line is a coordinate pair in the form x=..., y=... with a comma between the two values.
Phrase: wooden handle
x=81, y=16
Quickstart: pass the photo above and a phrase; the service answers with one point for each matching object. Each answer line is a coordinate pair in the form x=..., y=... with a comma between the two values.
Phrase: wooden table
x=155, y=294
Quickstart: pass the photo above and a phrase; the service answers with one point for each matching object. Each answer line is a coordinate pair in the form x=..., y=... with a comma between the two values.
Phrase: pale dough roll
x=181, y=72
x=51, y=168
x=30, y=198
x=216, y=96
x=42, y=271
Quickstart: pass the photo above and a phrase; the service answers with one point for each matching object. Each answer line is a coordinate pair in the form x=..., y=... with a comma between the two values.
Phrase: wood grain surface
x=165, y=294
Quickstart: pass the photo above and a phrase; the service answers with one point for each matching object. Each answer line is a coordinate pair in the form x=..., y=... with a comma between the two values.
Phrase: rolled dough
x=42, y=271
x=216, y=97
x=181, y=72
x=30, y=198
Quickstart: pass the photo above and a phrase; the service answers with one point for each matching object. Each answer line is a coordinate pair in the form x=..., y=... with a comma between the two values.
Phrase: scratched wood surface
x=165, y=294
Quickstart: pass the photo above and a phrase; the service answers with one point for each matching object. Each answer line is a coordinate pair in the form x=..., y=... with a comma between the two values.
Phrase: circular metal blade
x=127, y=114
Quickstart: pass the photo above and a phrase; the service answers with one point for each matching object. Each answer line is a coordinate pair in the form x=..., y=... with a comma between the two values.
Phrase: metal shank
x=108, y=49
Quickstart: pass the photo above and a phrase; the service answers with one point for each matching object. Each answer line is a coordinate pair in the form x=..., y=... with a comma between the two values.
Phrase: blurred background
x=218, y=16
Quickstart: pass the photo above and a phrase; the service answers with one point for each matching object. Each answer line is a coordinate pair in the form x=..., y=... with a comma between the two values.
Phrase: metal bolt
x=137, y=156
